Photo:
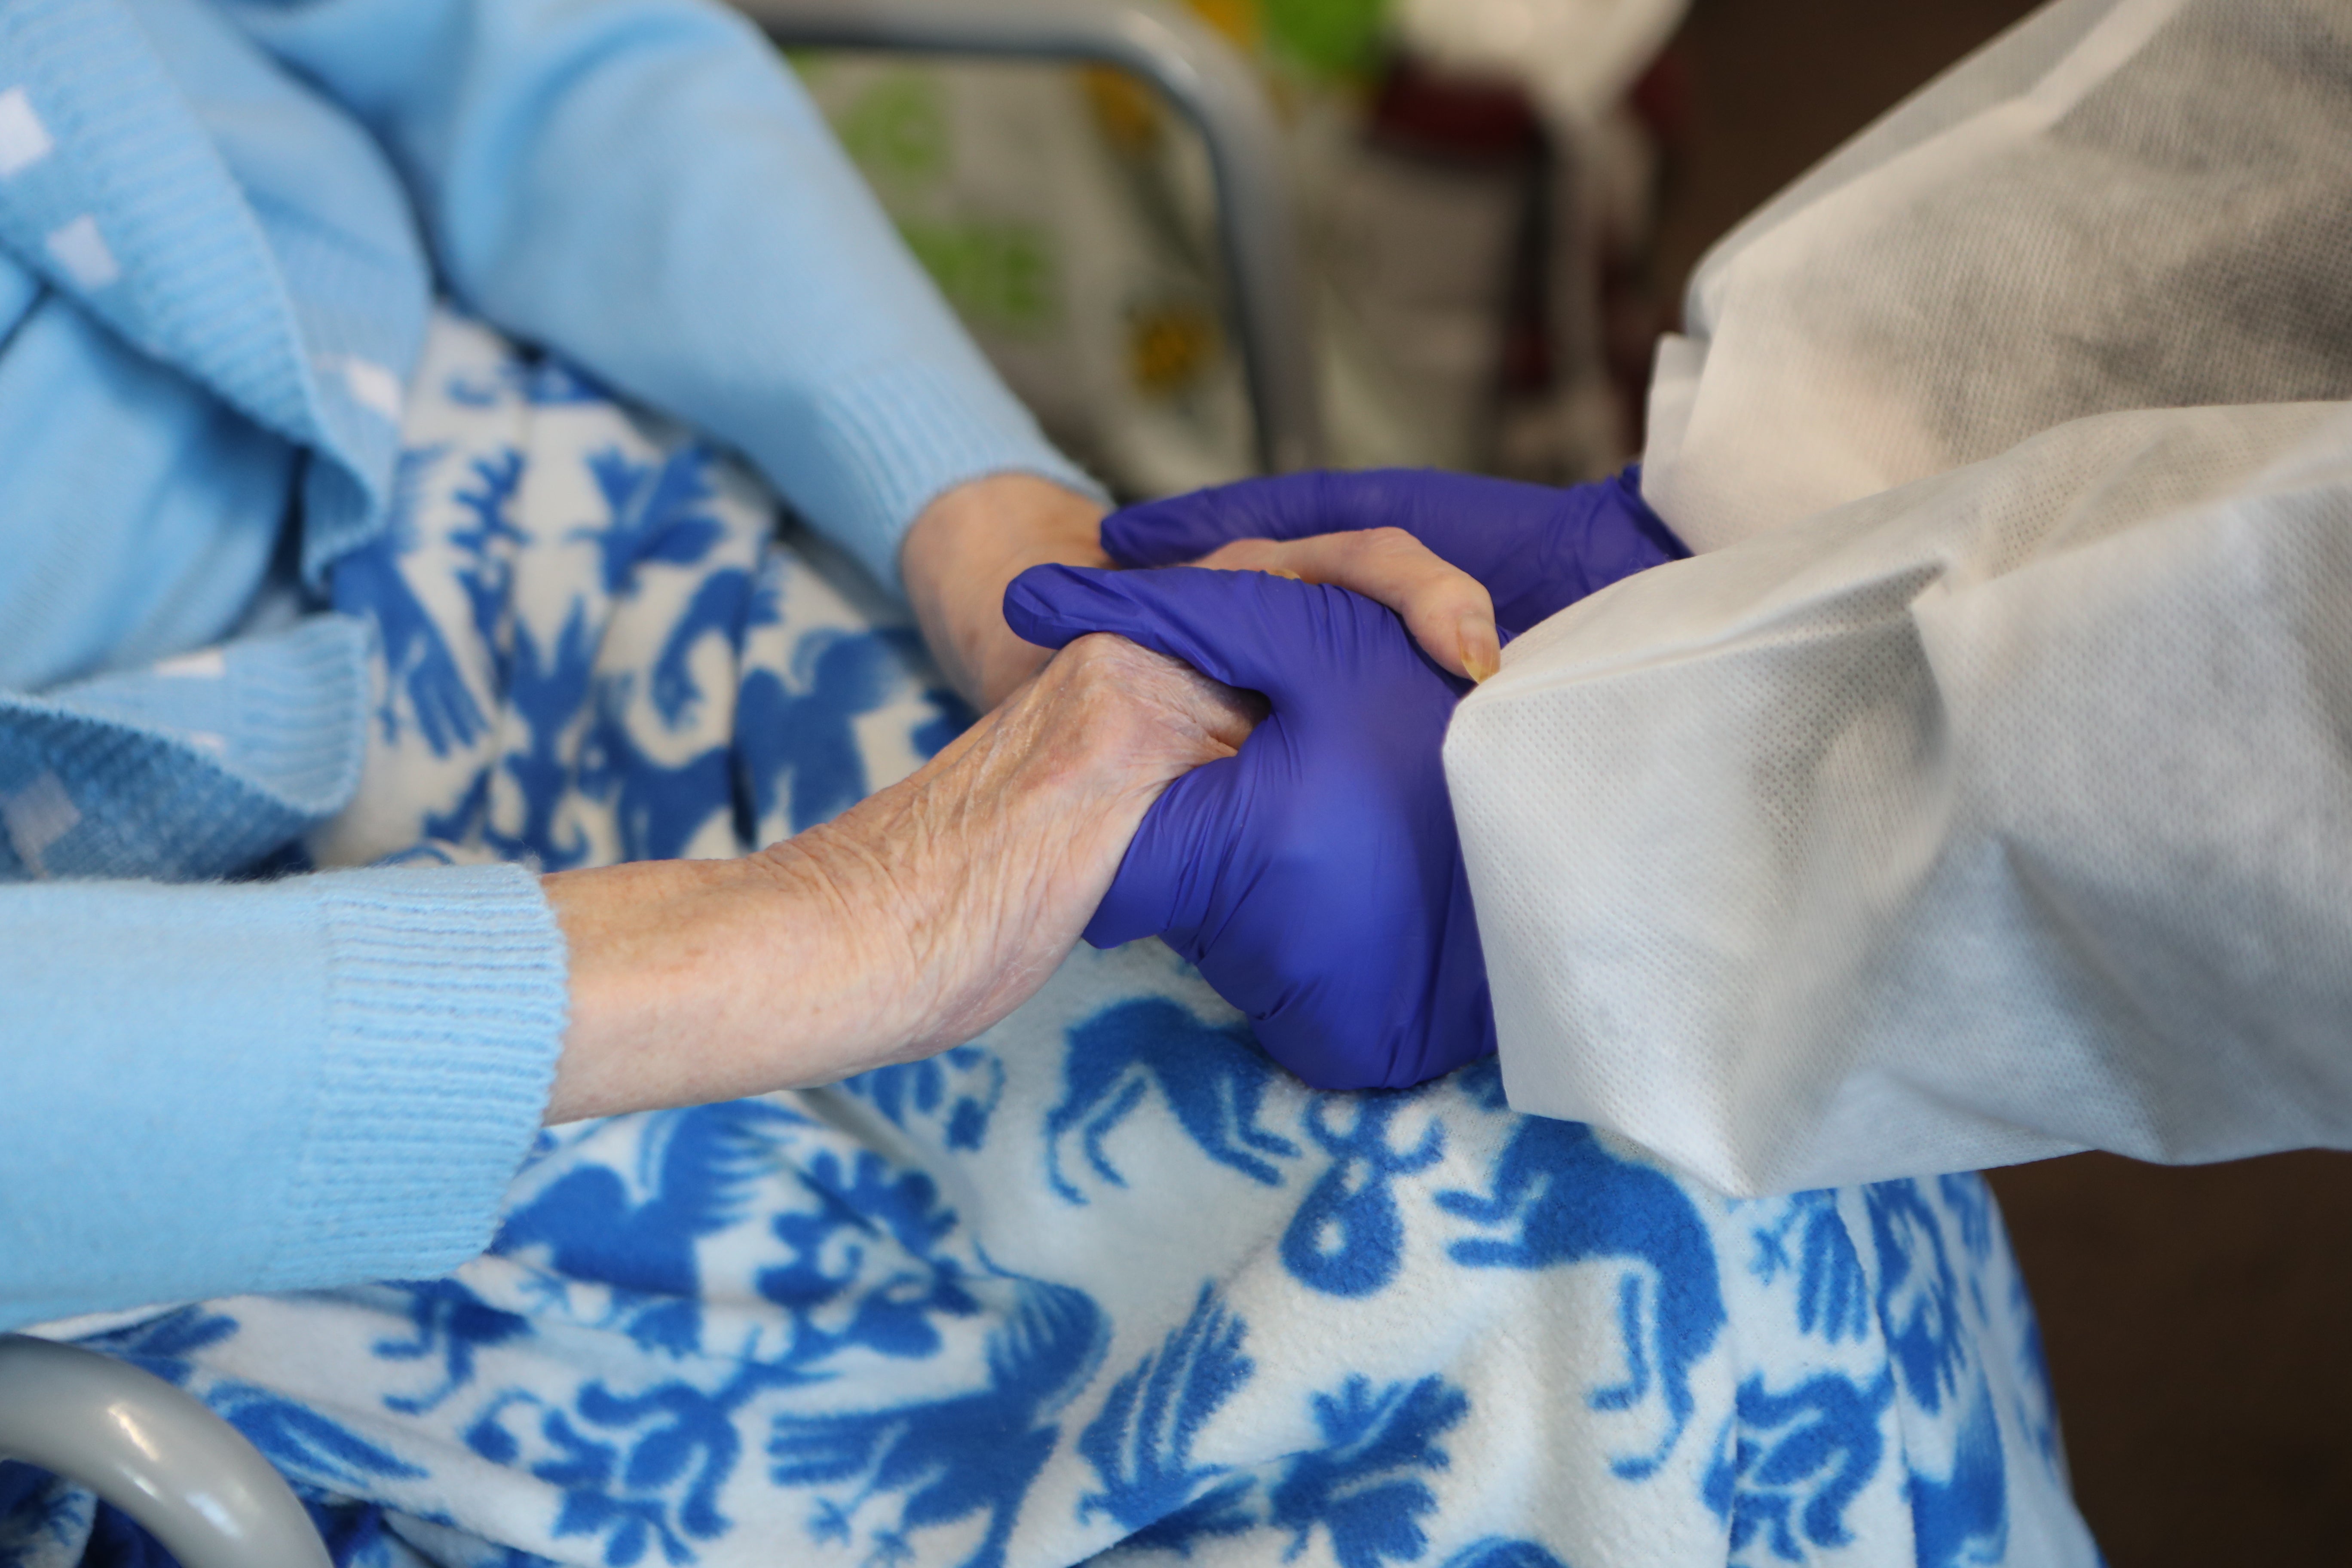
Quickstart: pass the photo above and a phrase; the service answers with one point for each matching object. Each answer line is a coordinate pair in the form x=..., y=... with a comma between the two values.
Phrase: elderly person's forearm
x=906, y=925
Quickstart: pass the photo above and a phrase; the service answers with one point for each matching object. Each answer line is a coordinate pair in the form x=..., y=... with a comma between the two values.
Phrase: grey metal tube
x=1273, y=317
x=154, y=1452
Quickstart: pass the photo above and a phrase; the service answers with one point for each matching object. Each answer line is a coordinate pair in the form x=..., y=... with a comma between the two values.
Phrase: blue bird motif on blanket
x=654, y=513
x=1796, y=1461
x=952, y=1459
x=808, y=736
x=1213, y=1078
x=1361, y=1486
x=417, y=661
x=1347, y=1238
x=700, y=1165
x=1140, y=1443
x=1570, y=1201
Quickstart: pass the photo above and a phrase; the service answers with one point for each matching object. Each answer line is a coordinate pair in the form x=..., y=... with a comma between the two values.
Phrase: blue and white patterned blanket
x=1103, y=1284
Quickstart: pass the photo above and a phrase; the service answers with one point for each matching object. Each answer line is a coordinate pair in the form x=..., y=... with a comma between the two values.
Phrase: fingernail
x=1481, y=655
x=1285, y=572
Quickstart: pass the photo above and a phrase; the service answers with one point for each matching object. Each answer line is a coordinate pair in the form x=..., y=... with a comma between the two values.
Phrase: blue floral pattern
x=1104, y=1283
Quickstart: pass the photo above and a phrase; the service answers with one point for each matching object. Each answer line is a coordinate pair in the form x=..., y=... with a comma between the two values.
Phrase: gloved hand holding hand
x=1315, y=877
x=1536, y=550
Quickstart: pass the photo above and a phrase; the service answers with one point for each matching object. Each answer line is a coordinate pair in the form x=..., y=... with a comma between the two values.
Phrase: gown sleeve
x=2004, y=814
x=1980, y=791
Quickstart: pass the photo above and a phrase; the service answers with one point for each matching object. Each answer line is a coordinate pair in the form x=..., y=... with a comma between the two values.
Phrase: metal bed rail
x=1271, y=309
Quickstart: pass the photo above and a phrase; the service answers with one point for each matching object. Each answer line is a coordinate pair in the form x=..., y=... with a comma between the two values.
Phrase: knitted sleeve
x=217, y=1088
x=642, y=186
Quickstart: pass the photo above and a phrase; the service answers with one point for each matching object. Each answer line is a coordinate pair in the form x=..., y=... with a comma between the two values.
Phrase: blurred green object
x=1332, y=38
x=998, y=275
x=897, y=129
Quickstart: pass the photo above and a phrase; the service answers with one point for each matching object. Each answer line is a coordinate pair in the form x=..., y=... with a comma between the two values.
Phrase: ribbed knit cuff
x=901, y=437
x=445, y=1010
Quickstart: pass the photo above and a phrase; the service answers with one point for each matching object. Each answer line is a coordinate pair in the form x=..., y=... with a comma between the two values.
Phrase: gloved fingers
x=1447, y=611
x=1293, y=641
x=1181, y=530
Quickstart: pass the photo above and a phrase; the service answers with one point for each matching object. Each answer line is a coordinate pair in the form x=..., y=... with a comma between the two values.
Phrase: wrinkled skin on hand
x=909, y=923
x=993, y=857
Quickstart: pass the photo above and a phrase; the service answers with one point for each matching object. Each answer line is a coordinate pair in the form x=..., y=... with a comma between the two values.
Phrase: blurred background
x=1502, y=201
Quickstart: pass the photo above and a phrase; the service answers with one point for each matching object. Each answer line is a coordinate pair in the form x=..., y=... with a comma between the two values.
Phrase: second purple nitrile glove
x=1537, y=549
x=1314, y=879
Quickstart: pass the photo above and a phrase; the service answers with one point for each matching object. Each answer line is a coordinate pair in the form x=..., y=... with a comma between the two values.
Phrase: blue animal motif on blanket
x=1832, y=1292
x=653, y=513
x=658, y=808
x=1571, y=1200
x=1213, y=1078
x=700, y=1165
x=954, y=1457
x=959, y=1087
x=1796, y=1461
x=809, y=736
x=1140, y=1443
x=1347, y=1238
x=1361, y=1486
x=417, y=661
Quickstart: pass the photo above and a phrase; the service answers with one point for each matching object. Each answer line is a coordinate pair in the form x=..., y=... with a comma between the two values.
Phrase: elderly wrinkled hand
x=908, y=924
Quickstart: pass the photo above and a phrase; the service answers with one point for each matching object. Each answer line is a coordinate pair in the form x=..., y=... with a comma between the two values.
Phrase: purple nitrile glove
x=1537, y=549
x=1315, y=877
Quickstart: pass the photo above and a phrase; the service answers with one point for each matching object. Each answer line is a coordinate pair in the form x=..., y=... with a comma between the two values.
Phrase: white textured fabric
x=1981, y=791
x=2120, y=204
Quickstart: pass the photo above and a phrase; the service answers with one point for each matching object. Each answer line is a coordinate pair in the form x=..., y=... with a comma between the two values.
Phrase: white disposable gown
x=1982, y=789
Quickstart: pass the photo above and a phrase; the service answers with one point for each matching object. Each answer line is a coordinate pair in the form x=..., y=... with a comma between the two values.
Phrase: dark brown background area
x=2199, y=1321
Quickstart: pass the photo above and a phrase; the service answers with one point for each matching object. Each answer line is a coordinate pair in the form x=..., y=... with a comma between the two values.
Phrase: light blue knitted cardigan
x=221, y=226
